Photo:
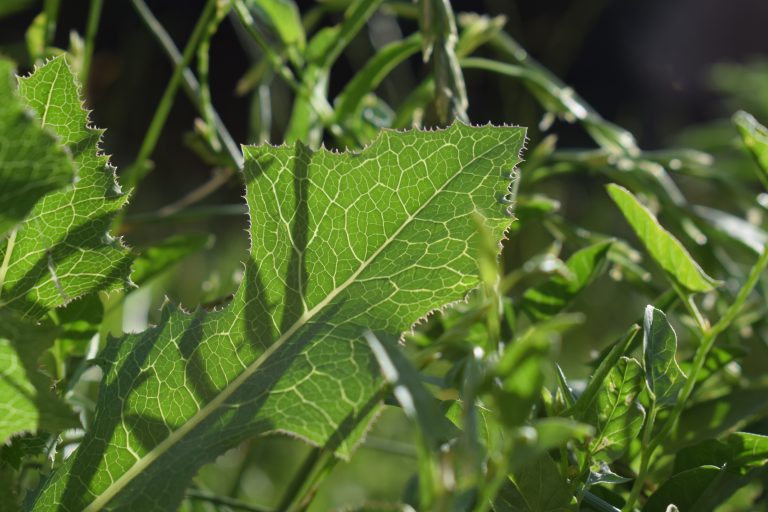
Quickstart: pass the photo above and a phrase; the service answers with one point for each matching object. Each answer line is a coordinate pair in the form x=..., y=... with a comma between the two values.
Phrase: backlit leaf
x=668, y=252
x=663, y=376
x=341, y=243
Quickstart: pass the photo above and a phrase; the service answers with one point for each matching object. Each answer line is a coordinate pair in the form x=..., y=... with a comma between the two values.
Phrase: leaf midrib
x=178, y=434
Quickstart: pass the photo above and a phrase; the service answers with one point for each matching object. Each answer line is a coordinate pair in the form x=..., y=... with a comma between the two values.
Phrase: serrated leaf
x=554, y=294
x=667, y=250
x=341, y=243
x=663, y=376
x=615, y=412
x=32, y=164
x=62, y=249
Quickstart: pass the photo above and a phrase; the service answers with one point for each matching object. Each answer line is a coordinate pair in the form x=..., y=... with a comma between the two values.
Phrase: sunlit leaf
x=668, y=252
x=341, y=243
x=663, y=376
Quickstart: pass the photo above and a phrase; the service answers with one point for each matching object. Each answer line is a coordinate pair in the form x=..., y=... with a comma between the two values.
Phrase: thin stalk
x=687, y=299
x=187, y=214
x=304, y=484
x=197, y=495
x=51, y=8
x=646, y=451
x=203, y=67
x=219, y=178
x=190, y=84
x=137, y=171
x=92, y=27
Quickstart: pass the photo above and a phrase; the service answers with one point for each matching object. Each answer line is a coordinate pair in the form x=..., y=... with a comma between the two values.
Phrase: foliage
x=410, y=276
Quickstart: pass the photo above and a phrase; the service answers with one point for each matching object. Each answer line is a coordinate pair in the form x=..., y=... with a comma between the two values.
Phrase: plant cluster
x=425, y=276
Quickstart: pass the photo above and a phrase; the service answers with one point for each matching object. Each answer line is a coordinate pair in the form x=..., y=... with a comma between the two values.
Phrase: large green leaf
x=667, y=250
x=554, y=294
x=663, y=376
x=62, y=249
x=341, y=243
x=31, y=162
x=615, y=412
x=57, y=195
x=737, y=452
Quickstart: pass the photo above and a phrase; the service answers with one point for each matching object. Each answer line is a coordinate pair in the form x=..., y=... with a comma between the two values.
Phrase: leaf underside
x=57, y=198
x=341, y=243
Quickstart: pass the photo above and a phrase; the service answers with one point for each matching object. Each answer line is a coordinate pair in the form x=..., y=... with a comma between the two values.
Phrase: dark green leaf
x=682, y=490
x=536, y=486
x=160, y=257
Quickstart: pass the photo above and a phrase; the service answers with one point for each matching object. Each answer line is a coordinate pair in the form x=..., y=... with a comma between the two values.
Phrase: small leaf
x=663, y=376
x=554, y=294
x=668, y=252
x=615, y=412
x=682, y=490
x=284, y=17
x=745, y=232
x=755, y=137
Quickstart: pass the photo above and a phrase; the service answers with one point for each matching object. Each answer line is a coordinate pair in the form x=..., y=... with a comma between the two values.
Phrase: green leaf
x=615, y=412
x=62, y=250
x=554, y=294
x=668, y=252
x=738, y=452
x=27, y=403
x=718, y=416
x=284, y=17
x=682, y=490
x=663, y=376
x=32, y=164
x=535, y=487
x=748, y=234
x=342, y=243
x=370, y=76
x=755, y=137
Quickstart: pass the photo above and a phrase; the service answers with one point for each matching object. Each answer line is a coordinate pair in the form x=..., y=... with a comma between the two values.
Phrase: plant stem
x=219, y=178
x=92, y=27
x=203, y=66
x=51, y=8
x=304, y=484
x=194, y=494
x=137, y=171
x=645, y=457
x=190, y=82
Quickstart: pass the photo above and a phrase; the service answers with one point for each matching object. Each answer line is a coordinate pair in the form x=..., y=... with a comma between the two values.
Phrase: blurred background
x=669, y=71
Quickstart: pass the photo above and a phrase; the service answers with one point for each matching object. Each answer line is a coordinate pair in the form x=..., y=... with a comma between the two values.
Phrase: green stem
x=139, y=168
x=190, y=83
x=687, y=300
x=304, y=484
x=51, y=8
x=92, y=27
x=203, y=67
x=646, y=451
x=194, y=494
